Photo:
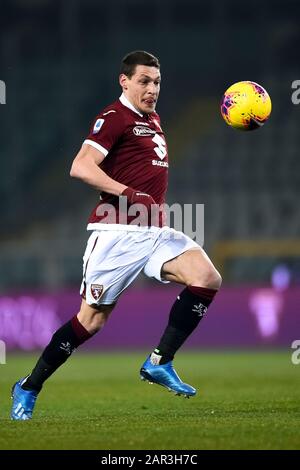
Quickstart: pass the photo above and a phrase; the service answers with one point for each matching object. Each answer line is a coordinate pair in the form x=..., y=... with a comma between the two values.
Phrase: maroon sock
x=205, y=295
x=186, y=313
x=67, y=338
x=79, y=330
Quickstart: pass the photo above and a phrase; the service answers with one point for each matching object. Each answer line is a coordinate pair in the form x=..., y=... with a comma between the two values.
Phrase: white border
x=96, y=146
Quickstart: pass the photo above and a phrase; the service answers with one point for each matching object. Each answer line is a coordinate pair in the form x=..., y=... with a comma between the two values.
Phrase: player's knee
x=93, y=321
x=209, y=278
x=96, y=324
x=215, y=280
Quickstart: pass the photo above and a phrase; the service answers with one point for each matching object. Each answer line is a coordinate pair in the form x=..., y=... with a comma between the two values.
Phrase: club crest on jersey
x=96, y=291
x=143, y=131
x=97, y=126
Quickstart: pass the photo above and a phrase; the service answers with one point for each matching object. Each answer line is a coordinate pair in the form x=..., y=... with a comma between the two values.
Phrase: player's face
x=142, y=89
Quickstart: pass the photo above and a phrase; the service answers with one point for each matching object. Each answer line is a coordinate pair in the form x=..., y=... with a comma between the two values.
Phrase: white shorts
x=114, y=258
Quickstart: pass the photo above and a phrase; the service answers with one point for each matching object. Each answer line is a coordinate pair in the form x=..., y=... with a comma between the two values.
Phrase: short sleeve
x=106, y=129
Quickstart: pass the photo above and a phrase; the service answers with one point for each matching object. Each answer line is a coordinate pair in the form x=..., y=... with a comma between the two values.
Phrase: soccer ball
x=246, y=106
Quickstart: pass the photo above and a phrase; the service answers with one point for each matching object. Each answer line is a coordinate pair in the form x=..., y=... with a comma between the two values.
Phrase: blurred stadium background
x=60, y=62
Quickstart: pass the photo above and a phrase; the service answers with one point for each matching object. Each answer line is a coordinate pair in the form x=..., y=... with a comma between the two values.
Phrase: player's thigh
x=112, y=262
x=169, y=244
x=193, y=267
x=93, y=317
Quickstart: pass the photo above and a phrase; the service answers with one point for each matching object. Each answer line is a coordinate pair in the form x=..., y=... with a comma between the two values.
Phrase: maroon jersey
x=135, y=154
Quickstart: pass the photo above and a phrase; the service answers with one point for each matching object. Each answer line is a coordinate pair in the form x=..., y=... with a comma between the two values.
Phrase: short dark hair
x=131, y=60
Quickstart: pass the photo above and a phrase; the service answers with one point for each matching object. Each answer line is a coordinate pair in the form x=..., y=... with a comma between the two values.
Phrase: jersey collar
x=127, y=103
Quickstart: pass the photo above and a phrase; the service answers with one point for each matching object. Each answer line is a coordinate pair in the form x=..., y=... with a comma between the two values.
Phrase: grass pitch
x=96, y=401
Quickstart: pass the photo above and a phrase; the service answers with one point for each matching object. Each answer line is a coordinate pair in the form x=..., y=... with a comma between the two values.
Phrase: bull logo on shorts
x=96, y=291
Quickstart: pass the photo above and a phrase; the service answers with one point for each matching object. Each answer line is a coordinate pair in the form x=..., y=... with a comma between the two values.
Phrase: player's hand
x=145, y=202
x=137, y=197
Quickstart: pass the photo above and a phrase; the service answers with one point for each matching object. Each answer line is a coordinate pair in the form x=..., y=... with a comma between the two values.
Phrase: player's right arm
x=104, y=134
x=85, y=167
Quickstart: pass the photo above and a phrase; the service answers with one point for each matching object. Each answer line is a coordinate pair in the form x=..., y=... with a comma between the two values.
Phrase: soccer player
x=125, y=157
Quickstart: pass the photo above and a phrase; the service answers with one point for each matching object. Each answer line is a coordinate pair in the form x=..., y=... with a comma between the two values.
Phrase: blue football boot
x=23, y=401
x=166, y=376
